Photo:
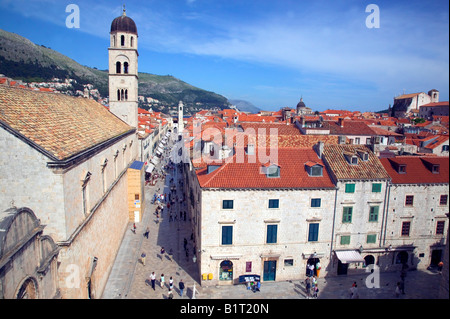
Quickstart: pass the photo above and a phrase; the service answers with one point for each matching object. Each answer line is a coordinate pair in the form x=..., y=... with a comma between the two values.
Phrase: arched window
x=122, y=40
x=125, y=68
x=126, y=95
x=118, y=95
x=132, y=41
x=118, y=68
x=122, y=95
x=114, y=41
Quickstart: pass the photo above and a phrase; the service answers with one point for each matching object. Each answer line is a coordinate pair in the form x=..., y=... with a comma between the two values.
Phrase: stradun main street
x=130, y=278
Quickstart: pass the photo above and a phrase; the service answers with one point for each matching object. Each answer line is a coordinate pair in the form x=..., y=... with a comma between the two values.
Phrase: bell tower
x=123, y=69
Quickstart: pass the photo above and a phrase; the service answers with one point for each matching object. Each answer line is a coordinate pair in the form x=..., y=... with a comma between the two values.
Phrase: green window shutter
x=227, y=235
x=349, y=188
x=274, y=203
x=347, y=215
x=313, y=232
x=373, y=215
x=371, y=239
x=315, y=202
x=376, y=188
x=272, y=234
x=345, y=240
x=227, y=204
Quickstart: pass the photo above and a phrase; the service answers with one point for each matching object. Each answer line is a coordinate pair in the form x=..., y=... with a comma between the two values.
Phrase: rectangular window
x=376, y=188
x=406, y=227
x=227, y=204
x=227, y=235
x=345, y=240
x=313, y=234
x=347, y=215
x=373, y=214
x=440, y=227
x=443, y=200
x=349, y=188
x=248, y=266
x=274, y=203
x=371, y=239
x=409, y=201
x=136, y=196
x=271, y=234
x=84, y=200
x=315, y=202
x=289, y=262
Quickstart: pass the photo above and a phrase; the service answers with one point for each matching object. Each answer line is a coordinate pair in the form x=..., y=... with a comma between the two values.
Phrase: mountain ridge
x=24, y=60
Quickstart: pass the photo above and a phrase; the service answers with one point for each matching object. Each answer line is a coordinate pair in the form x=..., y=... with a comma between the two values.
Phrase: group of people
x=254, y=285
x=162, y=282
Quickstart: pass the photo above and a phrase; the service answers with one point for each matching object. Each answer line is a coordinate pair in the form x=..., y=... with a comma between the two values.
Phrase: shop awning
x=349, y=256
x=155, y=160
x=150, y=168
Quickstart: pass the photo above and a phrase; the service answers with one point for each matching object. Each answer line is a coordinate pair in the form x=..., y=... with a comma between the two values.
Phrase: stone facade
x=250, y=218
x=83, y=231
x=28, y=259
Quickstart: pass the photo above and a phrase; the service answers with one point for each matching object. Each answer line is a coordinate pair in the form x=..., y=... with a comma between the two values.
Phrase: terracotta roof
x=247, y=175
x=342, y=169
x=348, y=127
x=61, y=125
x=407, y=96
x=418, y=169
x=444, y=103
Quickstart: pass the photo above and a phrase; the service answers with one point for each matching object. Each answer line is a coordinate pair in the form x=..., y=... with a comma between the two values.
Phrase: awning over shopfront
x=150, y=168
x=349, y=256
x=155, y=160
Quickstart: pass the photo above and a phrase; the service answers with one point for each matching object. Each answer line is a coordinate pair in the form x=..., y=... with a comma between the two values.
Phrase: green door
x=270, y=269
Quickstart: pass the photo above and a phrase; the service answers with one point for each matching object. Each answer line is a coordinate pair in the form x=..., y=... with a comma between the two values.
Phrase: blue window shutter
x=313, y=232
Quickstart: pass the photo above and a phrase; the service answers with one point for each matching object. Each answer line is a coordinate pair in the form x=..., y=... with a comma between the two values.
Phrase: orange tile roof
x=61, y=125
x=248, y=175
x=418, y=169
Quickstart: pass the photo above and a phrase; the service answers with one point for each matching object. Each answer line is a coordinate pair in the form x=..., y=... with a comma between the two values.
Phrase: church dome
x=123, y=24
x=301, y=104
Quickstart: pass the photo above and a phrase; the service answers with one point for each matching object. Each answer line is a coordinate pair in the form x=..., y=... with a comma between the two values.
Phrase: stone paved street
x=129, y=278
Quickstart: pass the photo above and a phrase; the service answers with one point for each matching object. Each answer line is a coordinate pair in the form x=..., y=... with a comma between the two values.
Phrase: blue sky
x=267, y=52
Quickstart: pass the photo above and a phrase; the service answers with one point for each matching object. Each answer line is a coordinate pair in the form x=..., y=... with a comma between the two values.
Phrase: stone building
x=251, y=217
x=66, y=158
x=28, y=259
x=361, y=183
x=407, y=104
x=416, y=222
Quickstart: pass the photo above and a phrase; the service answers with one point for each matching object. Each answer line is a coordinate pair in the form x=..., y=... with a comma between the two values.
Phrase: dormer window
x=364, y=155
x=351, y=158
x=402, y=169
x=271, y=170
x=314, y=169
x=435, y=169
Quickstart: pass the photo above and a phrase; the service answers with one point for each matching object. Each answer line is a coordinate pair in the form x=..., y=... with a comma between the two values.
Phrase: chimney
x=341, y=122
x=319, y=149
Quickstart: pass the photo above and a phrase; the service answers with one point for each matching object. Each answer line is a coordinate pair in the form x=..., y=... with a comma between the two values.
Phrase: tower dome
x=123, y=24
x=301, y=104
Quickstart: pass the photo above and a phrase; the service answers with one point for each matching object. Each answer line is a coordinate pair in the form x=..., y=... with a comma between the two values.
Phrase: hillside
x=23, y=60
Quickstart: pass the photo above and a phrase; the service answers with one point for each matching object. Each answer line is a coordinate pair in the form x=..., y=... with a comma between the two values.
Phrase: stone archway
x=28, y=290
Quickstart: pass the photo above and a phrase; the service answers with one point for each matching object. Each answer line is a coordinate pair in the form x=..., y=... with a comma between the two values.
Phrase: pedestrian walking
x=153, y=280
x=147, y=231
x=354, y=294
x=308, y=287
x=316, y=291
x=397, y=290
x=143, y=255
x=162, y=281
x=181, y=286
x=170, y=283
x=162, y=251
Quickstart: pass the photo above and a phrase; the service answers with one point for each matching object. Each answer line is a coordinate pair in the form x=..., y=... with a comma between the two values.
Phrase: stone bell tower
x=123, y=70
